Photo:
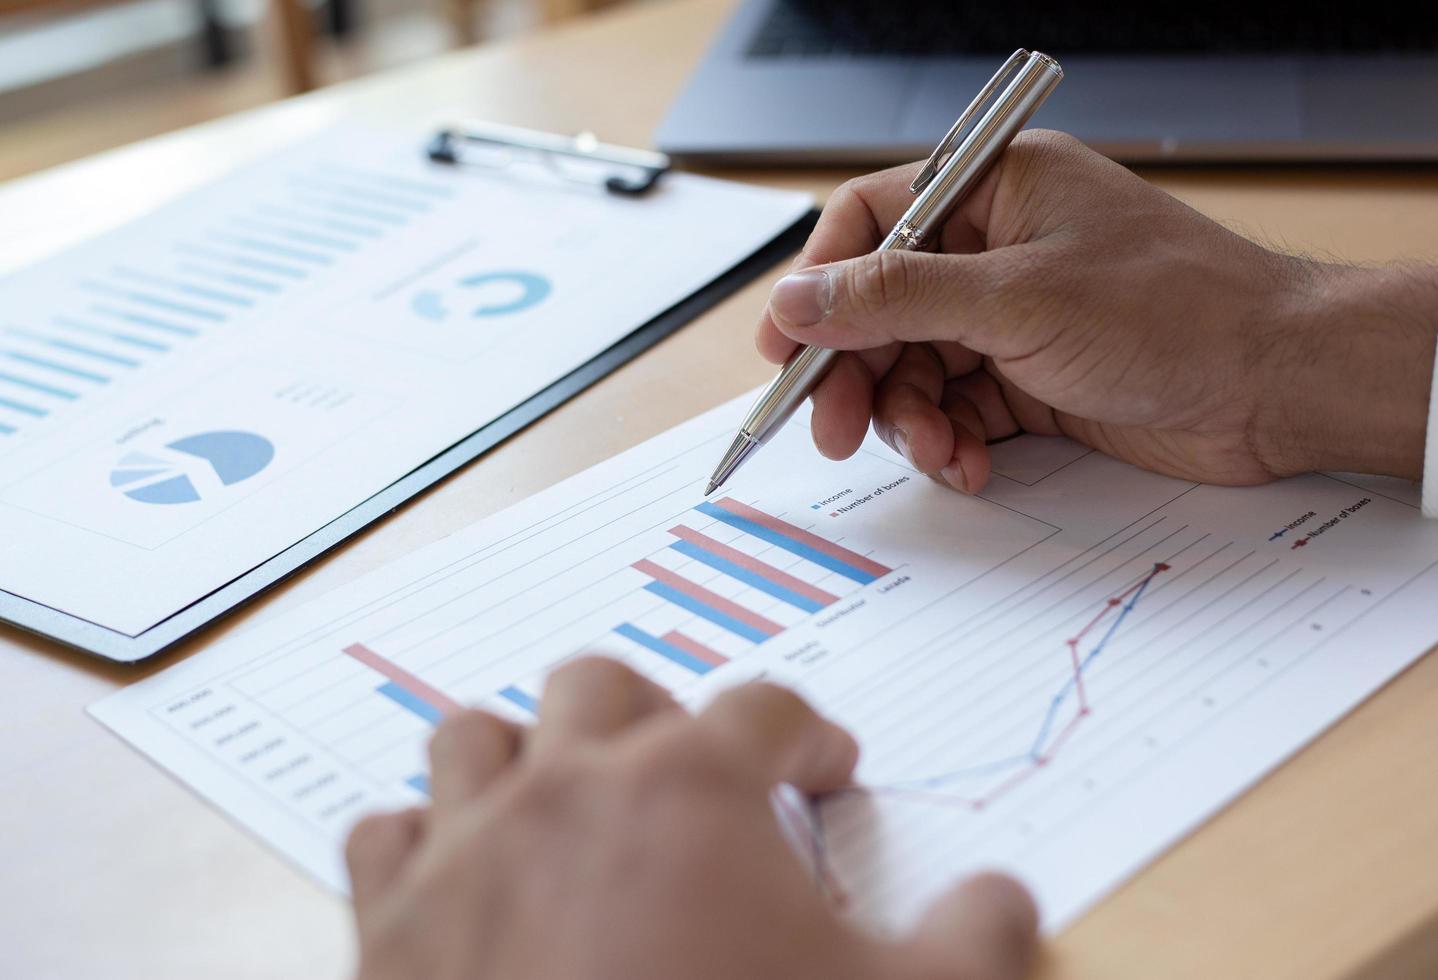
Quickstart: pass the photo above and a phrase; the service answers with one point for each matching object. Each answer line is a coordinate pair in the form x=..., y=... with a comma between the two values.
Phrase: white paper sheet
x=184, y=398
x=1060, y=678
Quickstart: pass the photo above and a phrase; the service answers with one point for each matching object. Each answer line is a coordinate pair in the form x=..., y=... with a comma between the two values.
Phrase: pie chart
x=189, y=469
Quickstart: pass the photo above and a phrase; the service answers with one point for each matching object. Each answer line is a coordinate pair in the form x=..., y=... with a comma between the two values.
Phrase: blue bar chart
x=213, y=272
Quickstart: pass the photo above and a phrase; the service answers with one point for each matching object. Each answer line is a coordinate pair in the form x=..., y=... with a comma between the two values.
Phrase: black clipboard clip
x=579, y=159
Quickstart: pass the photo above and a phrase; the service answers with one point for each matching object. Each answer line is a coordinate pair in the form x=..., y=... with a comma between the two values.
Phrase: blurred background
x=80, y=76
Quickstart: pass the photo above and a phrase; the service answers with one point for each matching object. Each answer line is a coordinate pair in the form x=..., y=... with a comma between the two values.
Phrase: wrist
x=1350, y=375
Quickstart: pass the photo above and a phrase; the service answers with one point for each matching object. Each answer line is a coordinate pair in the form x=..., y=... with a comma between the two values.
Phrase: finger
x=906, y=409
x=981, y=390
x=859, y=214
x=468, y=751
x=967, y=470
x=593, y=698
x=842, y=406
x=1036, y=188
x=1030, y=413
x=378, y=847
x=988, y=302
x=985, y=929
x=774, y=735
x=957, y=359
x=854, y=221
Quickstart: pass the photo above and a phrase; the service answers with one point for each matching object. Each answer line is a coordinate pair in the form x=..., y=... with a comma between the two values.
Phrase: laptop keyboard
x=823, y=28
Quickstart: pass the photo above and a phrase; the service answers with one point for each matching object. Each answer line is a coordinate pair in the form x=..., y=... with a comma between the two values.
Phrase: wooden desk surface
x=112, y=870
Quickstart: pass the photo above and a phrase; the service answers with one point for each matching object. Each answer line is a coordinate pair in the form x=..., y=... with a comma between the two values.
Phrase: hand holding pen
x=955, y=167
x=1070, y=297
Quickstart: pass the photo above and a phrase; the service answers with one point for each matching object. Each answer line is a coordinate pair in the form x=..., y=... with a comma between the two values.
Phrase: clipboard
x=621, y=171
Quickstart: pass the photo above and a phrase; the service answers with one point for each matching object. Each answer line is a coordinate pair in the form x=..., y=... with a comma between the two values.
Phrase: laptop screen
x=811, y=28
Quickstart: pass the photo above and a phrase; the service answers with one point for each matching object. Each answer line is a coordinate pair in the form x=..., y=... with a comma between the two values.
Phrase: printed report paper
x=1059, y=677
x=184, y=398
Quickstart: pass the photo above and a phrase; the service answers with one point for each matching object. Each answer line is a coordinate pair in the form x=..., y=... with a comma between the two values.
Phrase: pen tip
x=710, y=487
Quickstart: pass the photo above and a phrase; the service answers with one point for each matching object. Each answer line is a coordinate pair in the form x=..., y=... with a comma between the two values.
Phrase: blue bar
x=670, y=652
x=309, y=237
x=149, y=299
x=233, y=278
x=48, y=365
x=37, y=386
x=333, y=224
x=283, y=251
x=22, y=408
x=81, y=349
x=99, y=355
x=787, y=543
x=420, y=782
x=339, y=207
x=184, y=287
x=410, y=702
x=418, y=186
x=708, y=612
x=365, y=194
x=122, y=338
x=147, y=321
x=244, y=261
x=744, y=575
x=6, y=430
x=517, y=697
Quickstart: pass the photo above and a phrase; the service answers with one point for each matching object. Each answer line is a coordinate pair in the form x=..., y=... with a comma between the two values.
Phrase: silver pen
x=950, y=173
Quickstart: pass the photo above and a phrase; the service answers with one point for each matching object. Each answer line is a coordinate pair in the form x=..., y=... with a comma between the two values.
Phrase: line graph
x=1043, y=749
x=1167, y=628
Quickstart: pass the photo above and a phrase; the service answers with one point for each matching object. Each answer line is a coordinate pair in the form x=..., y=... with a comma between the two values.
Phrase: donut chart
x=500, y=293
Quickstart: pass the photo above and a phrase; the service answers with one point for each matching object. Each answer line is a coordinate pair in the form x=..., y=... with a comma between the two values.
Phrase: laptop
x=879, y=81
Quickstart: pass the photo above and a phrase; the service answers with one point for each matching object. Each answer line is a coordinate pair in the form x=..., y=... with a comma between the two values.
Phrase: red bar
x=819, y=544
x=754, y=565
x=695, y=649
x=711, y=599
x=402, y=677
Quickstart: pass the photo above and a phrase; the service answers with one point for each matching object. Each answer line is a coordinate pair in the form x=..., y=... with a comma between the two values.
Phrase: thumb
x=985, y=929
x=889, y=296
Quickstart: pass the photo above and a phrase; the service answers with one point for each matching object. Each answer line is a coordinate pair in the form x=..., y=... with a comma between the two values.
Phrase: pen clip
x=946, y=146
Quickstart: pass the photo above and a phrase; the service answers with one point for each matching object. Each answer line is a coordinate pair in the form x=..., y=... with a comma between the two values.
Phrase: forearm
x=1353, y=373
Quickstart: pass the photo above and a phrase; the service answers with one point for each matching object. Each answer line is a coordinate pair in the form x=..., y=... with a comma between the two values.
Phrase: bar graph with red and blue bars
x=414, y=695
x=794, y=540
x=405, y=689
x=710, y=628
x=730, y=616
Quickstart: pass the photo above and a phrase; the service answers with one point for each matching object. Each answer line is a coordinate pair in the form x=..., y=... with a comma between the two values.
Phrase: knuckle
x=543, y=796
x=878, y=281
x=675, y=771
x=758, y=711
x=879, y=181
x=460, y=732
x=1048, y=141
x=588, y=672
x=1013, y=272
x=851, y=189
x=771, y=699
x=1037, y=153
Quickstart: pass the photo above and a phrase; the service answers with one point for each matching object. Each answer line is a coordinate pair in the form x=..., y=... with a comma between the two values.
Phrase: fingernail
x=958, y=479
x=901, y=443
x=802, y=298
